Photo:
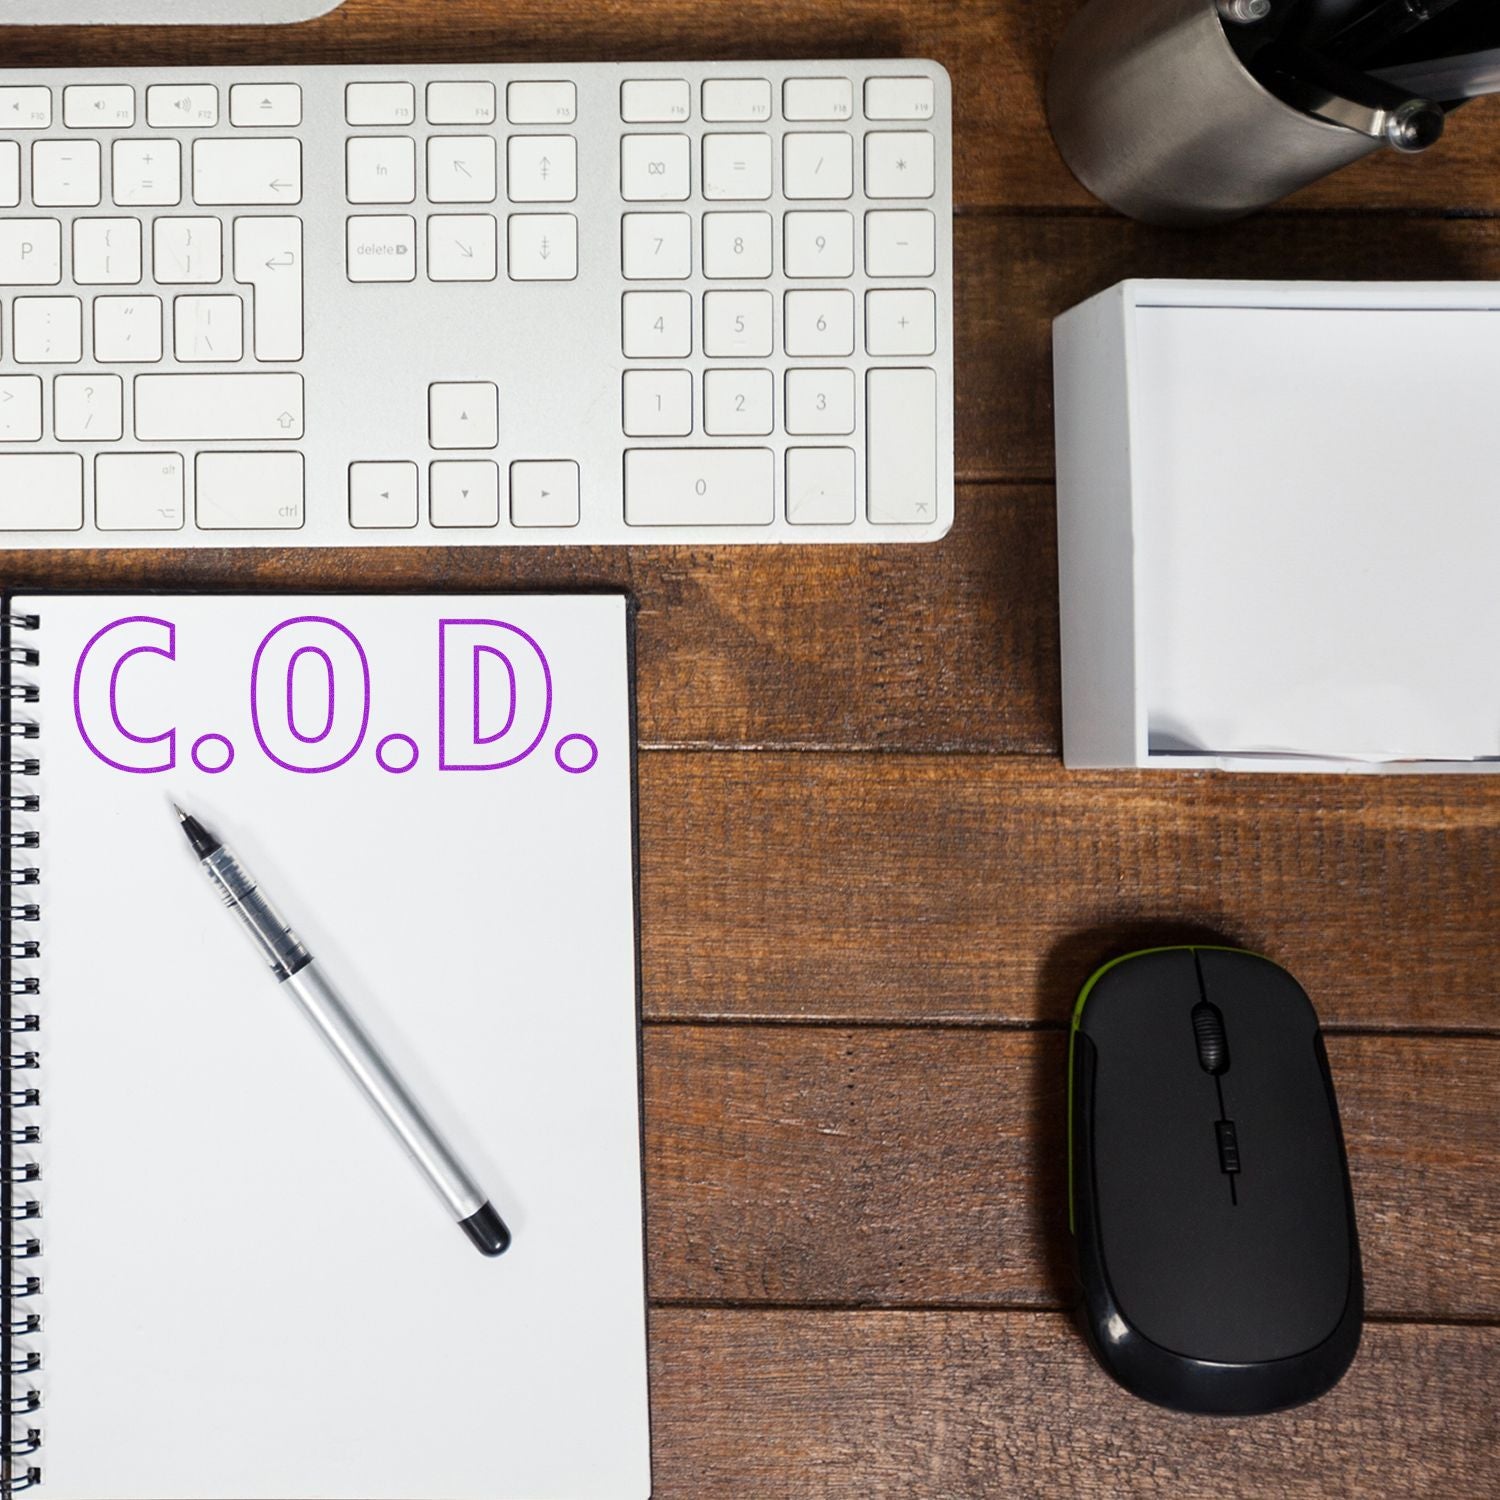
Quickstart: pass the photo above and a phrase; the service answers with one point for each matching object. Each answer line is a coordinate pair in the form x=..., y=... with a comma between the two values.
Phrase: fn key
x=901, y=420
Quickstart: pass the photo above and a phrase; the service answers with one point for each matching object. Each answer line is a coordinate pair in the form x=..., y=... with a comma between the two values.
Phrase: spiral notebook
x=223, y=1280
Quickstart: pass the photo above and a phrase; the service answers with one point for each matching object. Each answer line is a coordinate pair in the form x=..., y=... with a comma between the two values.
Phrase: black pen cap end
x=487, y=1230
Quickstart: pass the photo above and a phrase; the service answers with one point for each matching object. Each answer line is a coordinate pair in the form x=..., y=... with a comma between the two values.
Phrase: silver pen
x=297, y=973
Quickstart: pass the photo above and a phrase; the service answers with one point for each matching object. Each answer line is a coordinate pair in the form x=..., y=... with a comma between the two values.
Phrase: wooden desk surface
x=870, y=892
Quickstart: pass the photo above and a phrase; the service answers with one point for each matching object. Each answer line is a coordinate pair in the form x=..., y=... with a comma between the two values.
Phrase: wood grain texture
x=996, y=50
x=877, y=1167
x=962, y=1405
x=952, y=888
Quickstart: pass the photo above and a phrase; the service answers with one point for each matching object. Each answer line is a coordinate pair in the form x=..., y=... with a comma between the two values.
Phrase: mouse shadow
x=1065, y=970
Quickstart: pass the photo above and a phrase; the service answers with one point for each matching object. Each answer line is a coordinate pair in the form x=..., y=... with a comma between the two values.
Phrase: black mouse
x=1209, y=1191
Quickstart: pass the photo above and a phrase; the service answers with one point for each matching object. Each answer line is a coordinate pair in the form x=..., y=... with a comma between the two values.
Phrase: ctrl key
x=249, y=491
x=41, y=492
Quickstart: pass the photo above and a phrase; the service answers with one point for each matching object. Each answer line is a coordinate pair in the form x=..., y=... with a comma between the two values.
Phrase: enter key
x=268, y=257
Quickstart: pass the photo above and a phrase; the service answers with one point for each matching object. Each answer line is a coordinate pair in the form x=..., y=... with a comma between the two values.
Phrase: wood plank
x=881, y=1167
x=998, y=54
x=959, y=889
x=955, y=1405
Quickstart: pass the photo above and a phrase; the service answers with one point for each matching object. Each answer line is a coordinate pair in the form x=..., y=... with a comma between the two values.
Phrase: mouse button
x=1134, y=1002
x=1254, y=993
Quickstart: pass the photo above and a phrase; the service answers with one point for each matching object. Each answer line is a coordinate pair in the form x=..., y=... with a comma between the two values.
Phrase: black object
x=1211, y=1209
x=487, y=1230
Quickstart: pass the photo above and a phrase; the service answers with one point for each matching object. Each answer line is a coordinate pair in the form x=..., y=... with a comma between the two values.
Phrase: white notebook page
x=249, y=1291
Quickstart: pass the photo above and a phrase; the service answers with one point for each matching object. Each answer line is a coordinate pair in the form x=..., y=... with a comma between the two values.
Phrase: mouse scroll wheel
x=1213, y=1046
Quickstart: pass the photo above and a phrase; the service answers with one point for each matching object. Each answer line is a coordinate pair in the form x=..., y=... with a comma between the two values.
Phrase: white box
x=1279, y=526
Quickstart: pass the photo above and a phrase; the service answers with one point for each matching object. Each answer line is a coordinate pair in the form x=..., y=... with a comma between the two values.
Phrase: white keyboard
x=603, y=303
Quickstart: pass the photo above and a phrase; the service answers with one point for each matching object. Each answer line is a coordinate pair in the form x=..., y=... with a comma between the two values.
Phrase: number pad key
x=655, y=168
x=656, y=247
x=820, y=402
x=736, y=167
x=737, y=403
x=900, y=242
x=899, y=164
x=737, y=247
x=657, y=325
x=737, y=325
x=819, y=244
x=658, y=403
x=700, y=487
x=818, y=165
x=820, y=324
x=820, y=486
x=903, y=322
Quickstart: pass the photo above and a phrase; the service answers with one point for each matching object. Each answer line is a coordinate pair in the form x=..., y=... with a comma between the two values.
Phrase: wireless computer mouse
x=1209, y=1192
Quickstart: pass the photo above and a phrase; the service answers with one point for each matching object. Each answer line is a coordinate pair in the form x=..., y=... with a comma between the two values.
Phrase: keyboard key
x=462, y=247
x=249, y=491
x=88, y=408
x=543, y=492
x=106, y=252
x=901, y=444
x=541, y=169
x=217, y=408
x=461, y=169
x=655, y=168
x=139, y=491
x=700, y=487
x=737, y=325
x=819, y=243
x=30, y=252
x=262, y=169
x=820, y=402
x=899, y=164
x=27, y=108
x=899, y=99
x=380, y=104
x=20, y=408
x=736, y=99
x=127, y=330
x=820, y=486
x=65, y=174
x=817, y=99
x=10, y=174
x=383, y=496
x=737, y=247
x=209, y=330
x=380, y=169
x=463, y=414
x=657, y=247
x=464, y=492
x=182, y=106
x=109, y=107
x=542, y=247
x=820, y=323
x=900, y=242
x=268, y=257
x=147, y=174
x=646, y=101
x=736, y=166
x=41, y=492
x=460, y=104
x=818, y=164
x=265, y=104
x=382, y=247
x=738, y=403
x=657, y=325
x=48, y=330
x=903, y=322
x=658, y=403
x=185, y=251
x=538, y=103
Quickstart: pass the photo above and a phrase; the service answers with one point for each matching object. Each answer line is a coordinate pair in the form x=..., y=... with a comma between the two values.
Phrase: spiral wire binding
x=20, y=1395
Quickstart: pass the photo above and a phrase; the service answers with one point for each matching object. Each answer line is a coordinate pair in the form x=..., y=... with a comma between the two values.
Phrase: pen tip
x=182, y=817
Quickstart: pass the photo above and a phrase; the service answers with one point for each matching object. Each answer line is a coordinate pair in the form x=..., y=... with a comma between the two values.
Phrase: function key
x=736, y=99
x=898, y=99
x=460, y=104
x=108, y=107
x=380, y=104
x=817, y=99
x=174, y=107
x=648, y=101
x=25, y=109
x=252, y=104
x=541, y=103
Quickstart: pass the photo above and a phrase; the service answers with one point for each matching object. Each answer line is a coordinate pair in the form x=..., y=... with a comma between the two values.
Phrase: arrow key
x=461, y=247
x=463, y=414
x=541, y=169
x=544, y=493
x=543, y=247
x=383, y=495
x=465, y=492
